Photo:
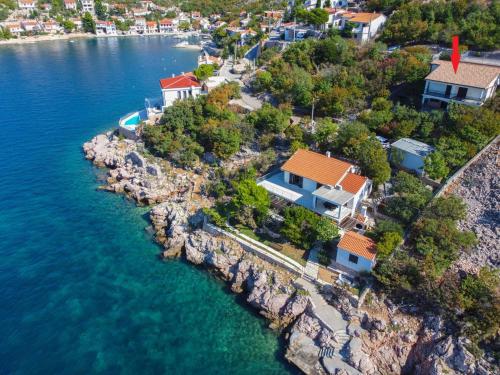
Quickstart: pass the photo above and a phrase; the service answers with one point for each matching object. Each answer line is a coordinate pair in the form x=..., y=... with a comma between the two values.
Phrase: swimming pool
x=133, y=120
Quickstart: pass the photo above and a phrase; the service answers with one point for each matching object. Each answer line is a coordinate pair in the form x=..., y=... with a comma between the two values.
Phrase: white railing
x=257, y=248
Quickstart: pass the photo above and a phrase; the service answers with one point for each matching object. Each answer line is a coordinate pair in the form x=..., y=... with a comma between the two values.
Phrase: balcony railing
x=455, y=98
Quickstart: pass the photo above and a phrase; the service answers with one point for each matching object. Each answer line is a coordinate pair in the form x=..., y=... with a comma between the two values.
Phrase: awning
x=338, y=197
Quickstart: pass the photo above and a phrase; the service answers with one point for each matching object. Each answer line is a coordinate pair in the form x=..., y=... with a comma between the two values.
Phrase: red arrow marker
x=455, y=56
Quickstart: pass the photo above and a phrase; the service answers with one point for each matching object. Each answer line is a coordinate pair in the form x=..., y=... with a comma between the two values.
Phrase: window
x=353, y=259
x=179, y=95
x=295, y=180
x=462, y=92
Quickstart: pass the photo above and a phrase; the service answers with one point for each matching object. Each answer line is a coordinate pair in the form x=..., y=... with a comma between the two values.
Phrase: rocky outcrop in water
x=130, y=172
x=268, y=288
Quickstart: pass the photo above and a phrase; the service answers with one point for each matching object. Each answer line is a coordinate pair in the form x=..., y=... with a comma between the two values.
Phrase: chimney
x=173, y=75
x=328, y=154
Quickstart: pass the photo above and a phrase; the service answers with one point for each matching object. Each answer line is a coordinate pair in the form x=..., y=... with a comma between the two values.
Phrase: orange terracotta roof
x=358, y=244
x=468, y=74
x=183, y=81
x=361, y=17
x=316, y=167
x=353, y=182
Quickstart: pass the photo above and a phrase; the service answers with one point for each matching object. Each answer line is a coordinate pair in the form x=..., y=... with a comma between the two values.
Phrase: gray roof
x=333, y=195
x=413, y=147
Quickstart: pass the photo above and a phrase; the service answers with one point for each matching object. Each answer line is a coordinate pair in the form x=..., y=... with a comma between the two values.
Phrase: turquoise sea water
x=82, y=289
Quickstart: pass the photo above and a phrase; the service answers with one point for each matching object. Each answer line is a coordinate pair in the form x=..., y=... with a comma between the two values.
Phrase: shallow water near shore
x=82, y=289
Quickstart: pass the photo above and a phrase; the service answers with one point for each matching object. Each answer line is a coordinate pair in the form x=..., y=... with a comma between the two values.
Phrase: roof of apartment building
x=468, y=74
x=361, y=17
x=185, y=80
x=413, y=147
x=358, y=244
x=325, y=170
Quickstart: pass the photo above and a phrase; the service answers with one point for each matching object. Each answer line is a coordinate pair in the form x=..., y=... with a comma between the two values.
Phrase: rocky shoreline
x=378, y=338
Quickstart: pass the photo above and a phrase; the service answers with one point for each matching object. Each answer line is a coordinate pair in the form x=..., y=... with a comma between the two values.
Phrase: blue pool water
x=133, y=120
x=82, y=290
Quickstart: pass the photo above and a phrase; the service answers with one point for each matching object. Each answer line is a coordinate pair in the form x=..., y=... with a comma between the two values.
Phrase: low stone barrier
x=262, y=251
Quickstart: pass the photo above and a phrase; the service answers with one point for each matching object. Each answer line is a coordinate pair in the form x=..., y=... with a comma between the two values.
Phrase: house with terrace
x=321, y=183
x=472, y=84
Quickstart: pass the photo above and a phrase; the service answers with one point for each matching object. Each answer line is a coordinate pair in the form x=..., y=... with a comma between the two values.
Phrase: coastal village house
x=151, y=27
x=15, y=28
x=70, y=4
x=26, y=6
x=179, y=87
x=140, y=25
x=167, y=26
x=87, y=6
x=365, y=25
x=410, y=154
x=311, y=4
x=356, y=252
x=323, y=184
x=105, y=28
x=472, y=85
x=31, y=26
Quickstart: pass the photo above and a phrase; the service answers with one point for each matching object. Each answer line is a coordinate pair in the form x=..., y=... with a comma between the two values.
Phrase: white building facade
x=471, y=85
x=180, y=87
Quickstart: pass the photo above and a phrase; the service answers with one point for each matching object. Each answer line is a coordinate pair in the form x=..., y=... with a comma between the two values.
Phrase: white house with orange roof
x=31, y=26
x=321, y=183
x=26, y=6
x=151, y=27
x=52, y=27
x=167, y=26
x=70, y=4
x=15, y=28
x=356, y=252
x=365, y=25
x=179, y=87
x=473, y=84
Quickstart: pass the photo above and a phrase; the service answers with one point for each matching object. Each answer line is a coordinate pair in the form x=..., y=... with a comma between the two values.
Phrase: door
x=448, y=91
x=462, y=92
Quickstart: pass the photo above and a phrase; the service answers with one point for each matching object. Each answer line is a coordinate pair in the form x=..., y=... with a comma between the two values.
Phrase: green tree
x=100, y=10
x=88, y=23
x=184, y=26
x=204, y=71
x=270, y=119
x=435, y=166
x=299, y=225
x=373, y=161
x=317, y=17
x=326, y=230
x=225, y=142
x=68, y=25
x=387, y=243
x=326, y=131
x=248, y=195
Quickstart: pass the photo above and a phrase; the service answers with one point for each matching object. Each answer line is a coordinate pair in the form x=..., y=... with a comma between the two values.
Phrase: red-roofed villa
x=179, y=87
x=323, y=184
